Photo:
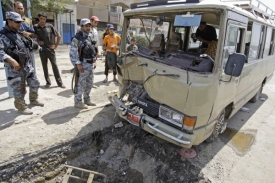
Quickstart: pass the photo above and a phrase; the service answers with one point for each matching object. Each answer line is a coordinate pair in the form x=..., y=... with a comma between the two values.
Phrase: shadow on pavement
x=66, y=93
x=4, y=99
x=3, y=90
x=106, y=84
x=6, y=125
x=7, y=117
x=60, y=116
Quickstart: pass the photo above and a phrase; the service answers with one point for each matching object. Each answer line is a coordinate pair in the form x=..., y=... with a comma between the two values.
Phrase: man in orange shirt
x=111, y=43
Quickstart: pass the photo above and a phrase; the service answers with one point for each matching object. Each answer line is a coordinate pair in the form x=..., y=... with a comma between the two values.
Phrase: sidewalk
x=58, y=101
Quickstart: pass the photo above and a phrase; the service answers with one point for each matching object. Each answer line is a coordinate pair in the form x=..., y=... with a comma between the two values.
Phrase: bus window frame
x=260, y=42
x=272, y=48
x=232, y=23
x=266, y=53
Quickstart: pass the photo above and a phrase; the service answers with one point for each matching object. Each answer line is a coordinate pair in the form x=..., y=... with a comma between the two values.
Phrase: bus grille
x=148, y=107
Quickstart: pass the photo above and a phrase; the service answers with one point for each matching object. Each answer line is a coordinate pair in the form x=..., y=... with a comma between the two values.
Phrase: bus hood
x=179, y=89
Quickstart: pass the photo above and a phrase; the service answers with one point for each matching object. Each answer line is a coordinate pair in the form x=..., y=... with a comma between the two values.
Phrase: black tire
x=220, y=120
x=256, y=96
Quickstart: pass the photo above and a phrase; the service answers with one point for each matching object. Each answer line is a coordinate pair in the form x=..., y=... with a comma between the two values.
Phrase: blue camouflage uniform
x=14, y=77
x=85, y=81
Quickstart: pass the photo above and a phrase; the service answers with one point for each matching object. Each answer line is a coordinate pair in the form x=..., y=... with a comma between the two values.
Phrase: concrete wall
x=102, y=14
x=87, y=12
x=83, y=12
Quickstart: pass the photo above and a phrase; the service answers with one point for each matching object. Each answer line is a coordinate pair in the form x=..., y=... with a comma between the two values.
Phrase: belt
x=89, y=61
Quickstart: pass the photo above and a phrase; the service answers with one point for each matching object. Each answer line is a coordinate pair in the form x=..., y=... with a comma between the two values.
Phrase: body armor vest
x=17, y=42
x=87, y=48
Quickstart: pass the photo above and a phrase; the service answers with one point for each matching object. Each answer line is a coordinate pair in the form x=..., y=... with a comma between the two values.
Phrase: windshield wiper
x=143, y=64
x=154, y=73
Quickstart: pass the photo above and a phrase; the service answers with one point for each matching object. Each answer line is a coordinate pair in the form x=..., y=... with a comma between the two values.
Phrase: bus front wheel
x=220, y=126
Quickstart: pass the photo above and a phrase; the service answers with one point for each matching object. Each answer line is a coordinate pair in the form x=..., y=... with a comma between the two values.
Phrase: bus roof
x=253, y=9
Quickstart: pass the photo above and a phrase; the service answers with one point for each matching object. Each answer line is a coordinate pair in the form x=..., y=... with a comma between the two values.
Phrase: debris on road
x=244, y=109
x=119, y=125
x=101, y=151
x=188, y=153
x=263, y=99
x=91, y=174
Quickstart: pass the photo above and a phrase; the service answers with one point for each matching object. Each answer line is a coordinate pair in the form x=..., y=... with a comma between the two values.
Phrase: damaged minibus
x=179, y=91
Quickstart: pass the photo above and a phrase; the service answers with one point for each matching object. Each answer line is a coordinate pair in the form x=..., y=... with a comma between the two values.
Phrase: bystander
x=45, y=33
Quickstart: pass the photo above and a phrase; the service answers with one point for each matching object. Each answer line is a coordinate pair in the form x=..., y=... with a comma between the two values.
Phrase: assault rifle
x=76, y=74
x=22, y=61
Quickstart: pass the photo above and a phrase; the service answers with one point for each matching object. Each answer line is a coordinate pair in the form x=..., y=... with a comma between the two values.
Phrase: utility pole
x=70, y=11
x=29, y=9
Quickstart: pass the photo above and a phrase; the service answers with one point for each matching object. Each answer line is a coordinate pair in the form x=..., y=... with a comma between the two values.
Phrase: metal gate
x=68, y=33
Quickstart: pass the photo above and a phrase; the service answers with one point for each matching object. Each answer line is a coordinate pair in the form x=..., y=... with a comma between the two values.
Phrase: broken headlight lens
x=177, y=117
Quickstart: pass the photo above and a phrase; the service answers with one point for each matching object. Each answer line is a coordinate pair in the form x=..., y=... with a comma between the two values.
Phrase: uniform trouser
x=106, y=72
x=85, y=83
x=15, y=82
x=44, y=56
x=33, y=61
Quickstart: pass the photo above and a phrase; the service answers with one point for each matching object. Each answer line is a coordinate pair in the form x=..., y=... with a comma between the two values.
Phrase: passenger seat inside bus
x=157, y=44
x=174, y=43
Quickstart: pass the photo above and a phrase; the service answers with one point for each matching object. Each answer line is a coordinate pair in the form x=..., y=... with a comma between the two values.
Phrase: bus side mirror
x=234, y=64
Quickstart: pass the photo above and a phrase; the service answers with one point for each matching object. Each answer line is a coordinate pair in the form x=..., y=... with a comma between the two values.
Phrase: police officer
x=83, y=57
x=15, y=53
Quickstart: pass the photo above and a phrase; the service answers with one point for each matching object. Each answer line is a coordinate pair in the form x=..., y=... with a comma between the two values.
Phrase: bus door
x=234, y=42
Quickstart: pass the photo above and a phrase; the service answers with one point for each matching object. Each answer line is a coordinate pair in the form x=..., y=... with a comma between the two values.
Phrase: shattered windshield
x=143, y=30
x=185, y=40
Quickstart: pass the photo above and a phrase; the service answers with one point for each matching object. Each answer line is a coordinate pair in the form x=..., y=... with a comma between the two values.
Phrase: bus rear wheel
x=257, y=95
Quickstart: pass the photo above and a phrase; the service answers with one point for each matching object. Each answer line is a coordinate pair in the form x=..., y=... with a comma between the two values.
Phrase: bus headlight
x=176, y=118
x=171, y=116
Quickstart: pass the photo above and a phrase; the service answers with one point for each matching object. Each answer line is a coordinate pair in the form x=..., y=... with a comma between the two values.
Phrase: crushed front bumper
x=152, y=125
